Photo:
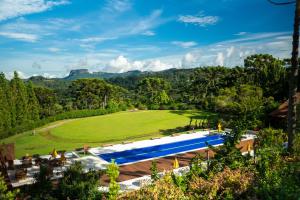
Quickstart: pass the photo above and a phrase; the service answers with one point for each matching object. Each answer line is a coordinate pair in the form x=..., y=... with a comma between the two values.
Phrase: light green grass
x=94, y=131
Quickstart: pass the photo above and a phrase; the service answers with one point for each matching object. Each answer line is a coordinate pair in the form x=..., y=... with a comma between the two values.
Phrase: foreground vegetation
x=112, y=128
x=271, y=174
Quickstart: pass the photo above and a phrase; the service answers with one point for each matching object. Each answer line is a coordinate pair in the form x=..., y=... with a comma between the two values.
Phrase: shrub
x=5, y=194
x=141, y=106
x=228, y=184
x=154, y=171
x=113, y=174
x=162, y=189
x=153, y=107
x=76, y=184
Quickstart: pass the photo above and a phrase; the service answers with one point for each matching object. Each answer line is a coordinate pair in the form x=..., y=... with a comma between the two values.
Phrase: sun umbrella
x=176, y=164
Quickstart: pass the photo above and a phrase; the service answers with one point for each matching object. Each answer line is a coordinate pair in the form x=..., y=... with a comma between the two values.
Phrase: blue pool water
x=161, y=150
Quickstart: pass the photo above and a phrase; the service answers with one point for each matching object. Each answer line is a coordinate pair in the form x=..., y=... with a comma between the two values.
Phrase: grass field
x=94, y=131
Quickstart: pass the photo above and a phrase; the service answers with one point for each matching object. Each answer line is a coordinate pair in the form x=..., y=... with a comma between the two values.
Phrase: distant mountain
x=128, y=80
x=84, y=73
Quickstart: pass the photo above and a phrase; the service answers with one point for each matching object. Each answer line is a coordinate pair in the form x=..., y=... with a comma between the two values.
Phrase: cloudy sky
x=51, y=37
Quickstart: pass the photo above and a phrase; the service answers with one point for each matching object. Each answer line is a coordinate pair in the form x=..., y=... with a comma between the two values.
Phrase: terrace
x=134, y=158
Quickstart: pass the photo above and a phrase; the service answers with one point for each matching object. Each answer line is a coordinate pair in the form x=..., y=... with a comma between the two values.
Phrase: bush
x=141, y=106
x=164, y=107
x=153, y=107
x=161, y=189
x=182, y=106
x=228, y=184
x=76, y=184
x=173, y=106
x=5, y=194
x=113, y=174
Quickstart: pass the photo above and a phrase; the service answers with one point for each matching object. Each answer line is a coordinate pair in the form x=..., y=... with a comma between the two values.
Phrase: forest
x=250, y=93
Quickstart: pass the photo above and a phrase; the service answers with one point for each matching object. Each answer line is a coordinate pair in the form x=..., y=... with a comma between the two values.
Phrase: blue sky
x=51, y=37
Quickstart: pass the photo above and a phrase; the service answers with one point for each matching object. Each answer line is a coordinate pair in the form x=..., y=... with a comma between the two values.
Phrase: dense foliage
x=24, y=106
x=5, y=194
x=271, y=174
x=77, y=183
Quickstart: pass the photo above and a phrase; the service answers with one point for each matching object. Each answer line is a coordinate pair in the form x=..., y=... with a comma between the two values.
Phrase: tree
x=42, y=188
x=207, y=81
x=5, y=112
x=228, y=154
x=19, y=101
x=268, y=73
x=244, y=102
x=33, y=105
x=113, y=174
x=79, y=185
x=47, y=100
x=154, y=91
x=94, y=93
x=292, y=117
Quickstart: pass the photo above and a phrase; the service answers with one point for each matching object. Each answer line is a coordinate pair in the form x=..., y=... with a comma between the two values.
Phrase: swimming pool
x=162, y=150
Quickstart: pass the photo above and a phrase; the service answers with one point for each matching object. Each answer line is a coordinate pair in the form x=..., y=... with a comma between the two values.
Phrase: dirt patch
x=48, y=128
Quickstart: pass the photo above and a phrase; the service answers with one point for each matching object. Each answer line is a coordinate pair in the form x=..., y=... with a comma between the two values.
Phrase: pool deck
x=141, y=169
x=135, y=171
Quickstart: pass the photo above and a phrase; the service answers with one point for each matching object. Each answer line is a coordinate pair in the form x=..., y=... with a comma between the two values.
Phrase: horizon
x=51, y=38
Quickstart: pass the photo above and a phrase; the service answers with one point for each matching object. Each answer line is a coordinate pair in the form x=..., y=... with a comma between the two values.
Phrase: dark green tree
x=47, y=100
x=42, y=188
x=154, y=91
x=33, y=104
x=244, y=102
x=79, y=185
x=94, y=93
x=5, y=112
x=19, y=98
x=268, y=73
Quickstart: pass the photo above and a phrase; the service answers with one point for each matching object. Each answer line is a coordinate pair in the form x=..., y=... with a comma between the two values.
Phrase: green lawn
x=94, y=131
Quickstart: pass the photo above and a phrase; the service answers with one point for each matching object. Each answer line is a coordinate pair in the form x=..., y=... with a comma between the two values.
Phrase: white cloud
x=156, y=65
x=145, y=24
x=96, y=39
x=10, y=75
x=240, y=33
x=148, y=33
x=220, y=59
x=32, y=31
x=200, y=20
x=256, y=37
x=189, y=60
x=15, y=8
x=230, y=51
x=120, y=64
x=123, y=64
x=118, y=5
x=54, y=49
x=185, y=44
x=20, y=36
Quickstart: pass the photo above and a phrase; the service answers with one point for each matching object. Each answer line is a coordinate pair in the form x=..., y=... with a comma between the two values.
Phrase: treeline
x=18, y=105
x=24, y=106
